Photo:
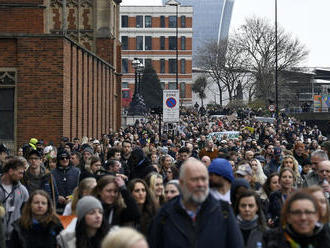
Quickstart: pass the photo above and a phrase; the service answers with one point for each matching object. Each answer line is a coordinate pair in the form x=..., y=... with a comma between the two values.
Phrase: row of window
x=171, y=65
x=171, y=86
x=148, y=21
x=172, y=43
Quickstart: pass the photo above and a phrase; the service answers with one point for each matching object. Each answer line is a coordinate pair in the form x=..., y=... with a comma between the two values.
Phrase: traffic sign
x=171, y=109
x=271, y=108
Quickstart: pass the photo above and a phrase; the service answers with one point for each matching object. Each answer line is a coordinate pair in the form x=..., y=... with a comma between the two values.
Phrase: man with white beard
x=195, y=218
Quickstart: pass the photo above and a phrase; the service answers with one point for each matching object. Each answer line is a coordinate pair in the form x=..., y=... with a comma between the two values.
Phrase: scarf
x=247, y=224
x=295, y=240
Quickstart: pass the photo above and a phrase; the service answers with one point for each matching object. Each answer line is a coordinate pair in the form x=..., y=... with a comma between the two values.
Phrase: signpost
x=271, y=108
x=171, y=109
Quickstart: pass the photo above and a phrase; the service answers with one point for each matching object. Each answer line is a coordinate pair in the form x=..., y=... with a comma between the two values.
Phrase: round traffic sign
x=171, y=102
x=271, y=108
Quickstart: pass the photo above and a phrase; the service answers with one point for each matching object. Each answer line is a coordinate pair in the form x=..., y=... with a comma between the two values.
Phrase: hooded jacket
x=140, y=166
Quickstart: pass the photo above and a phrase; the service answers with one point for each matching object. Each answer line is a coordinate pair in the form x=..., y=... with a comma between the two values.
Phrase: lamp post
x=276, y=67
x=176, y=4
x=137, y=105
x=140, y=69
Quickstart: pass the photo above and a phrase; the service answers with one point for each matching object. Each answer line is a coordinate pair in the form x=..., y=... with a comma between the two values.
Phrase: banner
x=229, y=134
x=321, y=103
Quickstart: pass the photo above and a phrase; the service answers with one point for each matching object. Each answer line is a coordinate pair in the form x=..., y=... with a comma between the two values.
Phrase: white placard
x=171, y=107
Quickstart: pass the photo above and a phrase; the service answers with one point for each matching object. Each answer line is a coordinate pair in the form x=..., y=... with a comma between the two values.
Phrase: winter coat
x=13, y=204
x=311, y=178
x=214, y=226
x=66, y=239
x=66, y=179
x=38, y=236
x=275, y=207
x=44, y=181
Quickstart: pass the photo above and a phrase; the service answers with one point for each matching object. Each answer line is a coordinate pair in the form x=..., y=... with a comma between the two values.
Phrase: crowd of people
x=221, y=181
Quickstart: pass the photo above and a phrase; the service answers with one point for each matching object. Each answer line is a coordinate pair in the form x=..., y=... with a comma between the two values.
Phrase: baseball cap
x=244, y=170
x=3, y=148
x=277, y=151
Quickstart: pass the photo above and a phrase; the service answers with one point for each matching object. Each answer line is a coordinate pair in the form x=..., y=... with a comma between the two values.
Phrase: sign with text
x=229, y=134
x=171, y=109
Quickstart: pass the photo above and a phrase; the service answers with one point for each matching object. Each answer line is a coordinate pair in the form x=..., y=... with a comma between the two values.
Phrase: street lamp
x=176, y=4
x=276, y=67
x=137, y=105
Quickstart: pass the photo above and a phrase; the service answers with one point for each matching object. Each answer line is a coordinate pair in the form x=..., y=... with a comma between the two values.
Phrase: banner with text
x=229, y=135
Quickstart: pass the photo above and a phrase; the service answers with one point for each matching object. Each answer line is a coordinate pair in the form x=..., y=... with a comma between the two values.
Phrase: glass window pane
x=162, y=21
x=172, y=21
x=183, y=43
x=183, y=21
x=172, y=85
x=182, y=90
x=172, y=43
x=7, y=97
x=162, y=42
x=162, y=66
x=139, y=21
x=148, y=43
x=124, y=42
x=124, y=85
x=183, y=66
x=172, y=65
x=148, y=21
x=139, y=42
x=124, y=21
x=124, y=65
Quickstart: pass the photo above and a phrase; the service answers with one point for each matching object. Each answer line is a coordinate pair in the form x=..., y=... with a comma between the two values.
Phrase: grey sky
x=305, y=19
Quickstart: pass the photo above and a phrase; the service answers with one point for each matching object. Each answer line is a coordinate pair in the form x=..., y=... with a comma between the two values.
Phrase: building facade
x=59, y=69
x=211, y=20
x=149, y=34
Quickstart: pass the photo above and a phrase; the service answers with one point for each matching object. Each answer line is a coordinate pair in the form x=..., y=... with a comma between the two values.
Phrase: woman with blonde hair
x=156, y=187
x=84, y=188
x=290, y=162
x=125, y=237
x=257, y=172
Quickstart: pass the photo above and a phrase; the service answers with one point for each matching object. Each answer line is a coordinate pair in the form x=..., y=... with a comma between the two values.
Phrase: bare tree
x=200, y=86
x=256, y=39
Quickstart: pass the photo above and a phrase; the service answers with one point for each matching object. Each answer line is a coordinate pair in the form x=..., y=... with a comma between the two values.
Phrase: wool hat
x=86, y=204
x=222, y=167
x=89, y=149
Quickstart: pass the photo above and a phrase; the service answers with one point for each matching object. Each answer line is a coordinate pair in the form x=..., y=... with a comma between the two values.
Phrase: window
x=162, y=42
x=172, y=43
x=148, y=21
x=182, y=90
x=148, y=63
x=172, y=65
x=183, y=21
x=124, y=42
x=162, y=85
x=124, y=65
x=162, y=66
x=139, y=21
x=139, y=42
x=124, y=85
x=183, y=66
x=162, y=21
x=172, y=21
x=148, y=43
x=172, y=85
x=183, y=43
x=124, y=21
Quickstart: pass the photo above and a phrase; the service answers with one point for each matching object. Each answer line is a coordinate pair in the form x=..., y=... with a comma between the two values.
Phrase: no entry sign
x=171, y=106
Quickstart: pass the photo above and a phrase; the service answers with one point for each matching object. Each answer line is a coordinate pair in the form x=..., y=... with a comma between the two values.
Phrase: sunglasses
x=64, y=158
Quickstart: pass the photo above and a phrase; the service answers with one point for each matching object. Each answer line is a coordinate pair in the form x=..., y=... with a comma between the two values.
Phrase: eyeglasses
x=299, y=213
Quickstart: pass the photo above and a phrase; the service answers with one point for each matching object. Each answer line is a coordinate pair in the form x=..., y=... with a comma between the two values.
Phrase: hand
x=326, y=187
x=119, y=181
x=61, y=199
x=124, y=177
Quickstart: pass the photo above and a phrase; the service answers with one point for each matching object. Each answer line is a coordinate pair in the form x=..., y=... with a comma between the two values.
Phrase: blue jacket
x=215, y=226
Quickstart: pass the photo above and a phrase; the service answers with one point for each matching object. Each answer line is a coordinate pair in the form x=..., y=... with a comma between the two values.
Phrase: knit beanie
x=222, y=167
x=86, y=204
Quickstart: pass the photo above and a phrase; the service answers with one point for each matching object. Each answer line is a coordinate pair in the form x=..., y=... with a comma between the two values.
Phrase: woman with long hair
x=156, y=187
x=250, y=218
x=145, y=200
x=277, y=198
x=300, y=225
x=38, y=225
x=119, y=206
x=271, y=185
x=257, y=172
x=90, y=229
x=291, y=162
x=172, y=189
x=84, y=188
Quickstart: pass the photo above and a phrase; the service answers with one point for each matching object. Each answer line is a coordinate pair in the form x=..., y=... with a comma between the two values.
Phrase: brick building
x=149, y=34
x=59, y=69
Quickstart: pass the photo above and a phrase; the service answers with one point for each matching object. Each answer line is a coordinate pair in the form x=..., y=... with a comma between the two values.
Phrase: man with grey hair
x=313, y=178
x=195, y=218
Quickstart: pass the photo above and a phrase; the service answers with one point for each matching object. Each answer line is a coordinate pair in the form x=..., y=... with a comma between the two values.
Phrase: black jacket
x=215, y=226
x=38, y=236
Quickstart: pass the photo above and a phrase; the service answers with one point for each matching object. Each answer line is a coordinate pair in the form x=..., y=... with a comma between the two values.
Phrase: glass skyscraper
x=211, y=20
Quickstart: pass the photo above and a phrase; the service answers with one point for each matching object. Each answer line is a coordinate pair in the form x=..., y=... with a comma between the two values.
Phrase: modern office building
x=211, y=20
x=148, y=33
